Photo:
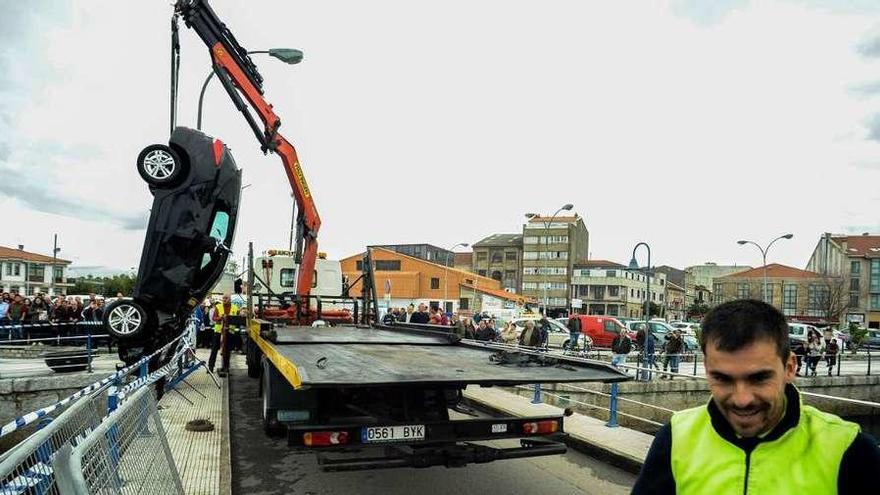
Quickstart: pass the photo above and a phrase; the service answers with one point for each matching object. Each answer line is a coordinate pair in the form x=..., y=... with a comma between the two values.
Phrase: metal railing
x=127, y=453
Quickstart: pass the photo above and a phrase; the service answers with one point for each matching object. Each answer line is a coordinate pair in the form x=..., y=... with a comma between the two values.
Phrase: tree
x=833, y=299
x=697, y=310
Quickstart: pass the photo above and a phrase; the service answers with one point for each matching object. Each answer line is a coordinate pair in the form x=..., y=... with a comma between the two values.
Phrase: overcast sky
x=685, y=124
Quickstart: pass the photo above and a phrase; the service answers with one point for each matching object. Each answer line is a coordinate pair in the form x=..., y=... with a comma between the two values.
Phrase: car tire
x=125, y=319
x=566, y=344
x=159, y=165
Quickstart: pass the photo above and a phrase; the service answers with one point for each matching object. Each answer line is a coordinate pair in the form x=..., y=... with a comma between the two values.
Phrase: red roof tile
x=860, y=245
x=7, y=253
x=775, y=270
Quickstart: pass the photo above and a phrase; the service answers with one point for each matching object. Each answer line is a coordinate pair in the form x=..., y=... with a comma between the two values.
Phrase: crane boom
x=239, y=76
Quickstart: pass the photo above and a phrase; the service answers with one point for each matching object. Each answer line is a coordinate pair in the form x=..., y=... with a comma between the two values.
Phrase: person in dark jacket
x=756, y=436
x=420, y=316
x=389, y=318
x=672, y=350
x=531, y=335
x=484, y=332
x=574, y=331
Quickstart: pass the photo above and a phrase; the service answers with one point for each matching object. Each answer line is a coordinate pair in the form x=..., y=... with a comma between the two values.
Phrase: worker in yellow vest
x=756, y=436
x=222, y=311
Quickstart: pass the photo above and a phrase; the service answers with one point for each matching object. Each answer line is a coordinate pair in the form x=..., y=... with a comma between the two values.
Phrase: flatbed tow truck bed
x=381, y=396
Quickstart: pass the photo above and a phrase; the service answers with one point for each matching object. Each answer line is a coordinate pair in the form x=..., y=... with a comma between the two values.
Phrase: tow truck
x=361, y=395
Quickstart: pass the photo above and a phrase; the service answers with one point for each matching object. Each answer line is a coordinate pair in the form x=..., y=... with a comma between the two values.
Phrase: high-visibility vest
x=804, y=460
x=218, y=310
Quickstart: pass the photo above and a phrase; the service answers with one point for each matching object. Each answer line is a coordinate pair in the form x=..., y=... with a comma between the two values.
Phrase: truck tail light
x=540, y=427
x=325, y=438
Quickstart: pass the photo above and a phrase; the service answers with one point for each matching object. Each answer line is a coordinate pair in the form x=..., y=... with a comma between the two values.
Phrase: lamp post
x=634, y=265
x=764, y=252
x=287, y=55
x=446, y=273
x=565, y=207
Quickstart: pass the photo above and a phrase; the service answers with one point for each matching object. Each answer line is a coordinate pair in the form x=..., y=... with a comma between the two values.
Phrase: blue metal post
x=537, y=398
x=89, y=347
x=612, y=408
x=142, y=372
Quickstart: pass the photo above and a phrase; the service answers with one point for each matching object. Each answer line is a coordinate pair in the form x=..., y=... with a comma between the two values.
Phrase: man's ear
x=790, y=367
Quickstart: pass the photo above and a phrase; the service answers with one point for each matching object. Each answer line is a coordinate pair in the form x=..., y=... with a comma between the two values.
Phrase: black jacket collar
x=789, y=420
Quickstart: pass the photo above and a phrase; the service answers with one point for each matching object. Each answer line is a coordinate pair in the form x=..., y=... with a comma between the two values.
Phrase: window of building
x=497, y=256
x=661, y=297
x=481, y=273
x=16, y=269
x=36, y=272
x=875, y=301
x=387, y=265
x=57, y=274
x=510, y=274
x=482, y=255
x=817, y=297
x=613, y=310
x=717, y=290
x=854, y=284
x=510, y=256
x=464, y=303
x=610, y=273
x=9, y=268
x=743, y=291
x=583, y=290
x=875, y=275
x=789, y=297
x=632, y=293
x=853, y=299
x=530, y=255
x=855, y=268
x=613, y=291
x=598, y=292
x=496, y=275
x=435, y=283
x=530, y=239
x=359, y=266
x=531, y=286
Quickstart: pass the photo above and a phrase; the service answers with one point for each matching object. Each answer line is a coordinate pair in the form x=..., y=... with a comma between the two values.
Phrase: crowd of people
x=18, y=311
x=481, y=326
x=816, y=348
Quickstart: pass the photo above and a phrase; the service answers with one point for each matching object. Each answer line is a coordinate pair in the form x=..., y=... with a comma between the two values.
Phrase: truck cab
x=279, y=269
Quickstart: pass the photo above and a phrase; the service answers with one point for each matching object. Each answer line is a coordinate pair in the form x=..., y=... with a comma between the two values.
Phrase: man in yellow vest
x=222, y=311
x=755, y=436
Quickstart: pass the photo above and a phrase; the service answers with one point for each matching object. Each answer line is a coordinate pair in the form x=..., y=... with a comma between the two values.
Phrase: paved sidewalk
x=628, y=446
x=202, y=458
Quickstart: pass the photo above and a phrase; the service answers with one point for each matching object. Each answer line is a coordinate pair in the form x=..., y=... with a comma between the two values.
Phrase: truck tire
x=270, y=421
x=253, y=357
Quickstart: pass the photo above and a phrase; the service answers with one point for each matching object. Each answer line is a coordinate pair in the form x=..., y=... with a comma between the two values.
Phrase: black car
x=196, y=187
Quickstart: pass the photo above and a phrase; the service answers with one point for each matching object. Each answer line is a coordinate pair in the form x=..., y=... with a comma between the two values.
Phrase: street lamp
x=565, y=207
x=634, y=265
x=446, y=273
x=764, y=252
x=287, y=55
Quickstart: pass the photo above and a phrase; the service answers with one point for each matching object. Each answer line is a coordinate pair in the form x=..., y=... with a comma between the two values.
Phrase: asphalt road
x=263, y=465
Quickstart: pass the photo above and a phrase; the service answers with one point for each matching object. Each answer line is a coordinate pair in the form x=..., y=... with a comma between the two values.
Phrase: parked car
x=686, y=328
x=660, y=330
x=800, y=331
x=196, y=187
x=872, y=341
x=558, y=337
x=601, y=329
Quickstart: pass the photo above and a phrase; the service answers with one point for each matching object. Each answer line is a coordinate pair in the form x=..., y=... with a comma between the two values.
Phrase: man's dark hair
x=737, y=324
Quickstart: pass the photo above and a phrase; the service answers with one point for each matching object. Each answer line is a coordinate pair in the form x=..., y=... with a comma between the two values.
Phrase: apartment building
x=499, y=256
x=549, y=252
x=854, y=262
x=608, y=288
x=30, y=273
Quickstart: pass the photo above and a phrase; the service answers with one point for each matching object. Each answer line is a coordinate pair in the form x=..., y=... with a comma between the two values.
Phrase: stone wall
x=19, y=396
x=592, y=398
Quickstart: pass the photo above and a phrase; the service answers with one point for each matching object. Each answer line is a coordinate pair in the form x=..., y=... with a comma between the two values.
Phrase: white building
x=31, y=273
x=609, y=288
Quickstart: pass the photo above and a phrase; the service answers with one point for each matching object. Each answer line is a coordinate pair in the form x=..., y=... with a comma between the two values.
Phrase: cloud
x=706, y=13
x=866, y=90
x=869, y=48
x=874, y=128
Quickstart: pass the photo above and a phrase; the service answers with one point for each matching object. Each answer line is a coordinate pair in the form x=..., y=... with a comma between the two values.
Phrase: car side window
x=610, y=327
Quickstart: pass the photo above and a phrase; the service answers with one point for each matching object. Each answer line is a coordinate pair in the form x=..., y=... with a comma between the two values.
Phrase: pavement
x=202, y=458
x=619, y=446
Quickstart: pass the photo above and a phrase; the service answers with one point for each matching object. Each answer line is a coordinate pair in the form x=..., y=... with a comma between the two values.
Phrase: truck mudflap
x=455, y=455
x=422, y=444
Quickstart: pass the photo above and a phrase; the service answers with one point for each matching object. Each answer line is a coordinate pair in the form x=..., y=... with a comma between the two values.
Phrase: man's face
x=227, y=299
x=748, y=385
x=422, y=308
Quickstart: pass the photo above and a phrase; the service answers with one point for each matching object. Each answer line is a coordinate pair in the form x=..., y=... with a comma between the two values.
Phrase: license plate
x=383, y=434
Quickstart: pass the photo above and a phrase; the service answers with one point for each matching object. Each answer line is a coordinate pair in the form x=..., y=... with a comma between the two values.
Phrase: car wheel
x=566, y=344
x=125, y=319
x=159, y=165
